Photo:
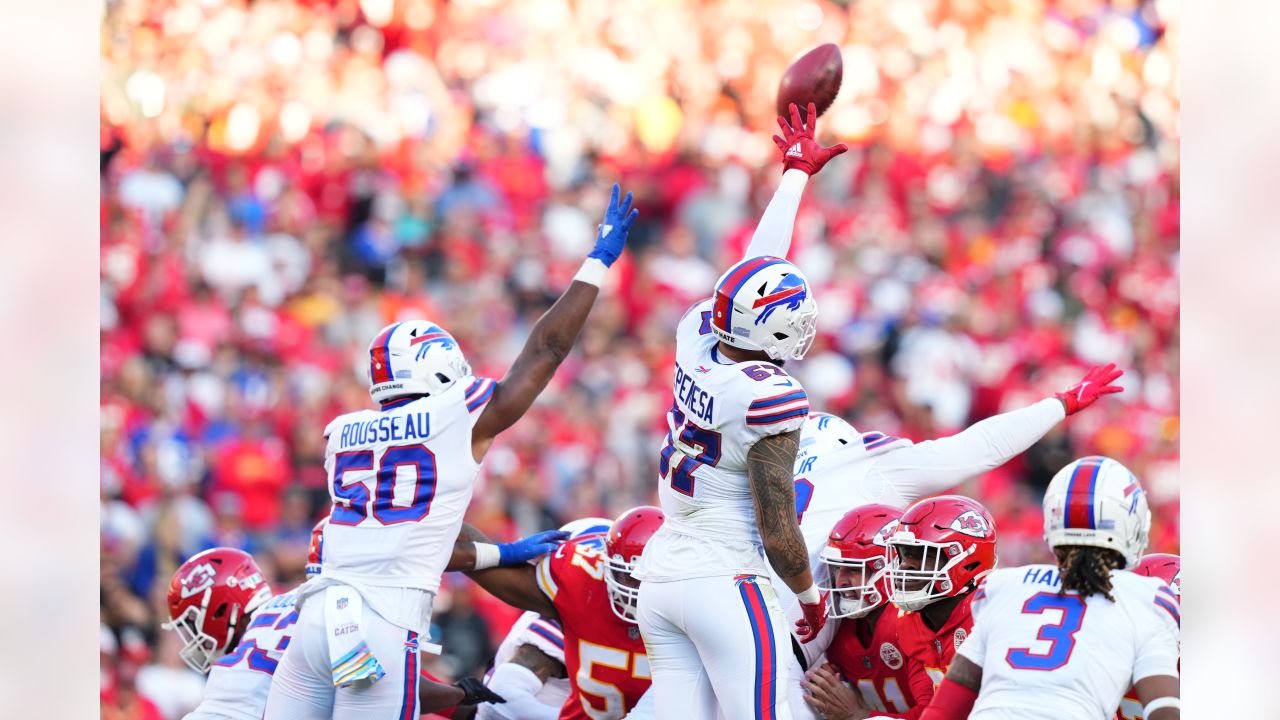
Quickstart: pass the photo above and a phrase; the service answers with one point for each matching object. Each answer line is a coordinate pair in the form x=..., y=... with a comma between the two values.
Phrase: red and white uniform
x=1045, y=654
x=929, y=653
x=878, y=668
x=604, y=655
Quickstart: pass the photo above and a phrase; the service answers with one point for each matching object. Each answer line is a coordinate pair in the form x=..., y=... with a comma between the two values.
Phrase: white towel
x=349, y=656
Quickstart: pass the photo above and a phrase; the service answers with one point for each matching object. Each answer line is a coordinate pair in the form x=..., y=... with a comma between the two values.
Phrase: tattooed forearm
x=769, y=464
x=542, y=664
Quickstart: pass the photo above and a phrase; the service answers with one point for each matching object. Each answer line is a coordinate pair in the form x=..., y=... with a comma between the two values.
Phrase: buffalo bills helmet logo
x=789, y=293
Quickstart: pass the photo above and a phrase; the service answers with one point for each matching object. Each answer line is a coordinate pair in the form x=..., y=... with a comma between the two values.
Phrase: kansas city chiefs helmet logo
x=198, y=580
x=883, y=534
x=971, y=523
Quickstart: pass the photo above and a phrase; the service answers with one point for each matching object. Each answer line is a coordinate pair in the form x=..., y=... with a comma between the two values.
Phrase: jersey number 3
x=351, y=501
x=1061, y=635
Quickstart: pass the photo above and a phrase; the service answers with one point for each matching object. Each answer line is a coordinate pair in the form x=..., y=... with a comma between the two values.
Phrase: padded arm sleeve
x=773, y=234
x=930, y=467
x=517, y=685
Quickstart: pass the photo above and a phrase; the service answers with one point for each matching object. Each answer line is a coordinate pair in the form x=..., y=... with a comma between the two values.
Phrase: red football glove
x=799, y=150
x=815, y=615
x=1096, y=383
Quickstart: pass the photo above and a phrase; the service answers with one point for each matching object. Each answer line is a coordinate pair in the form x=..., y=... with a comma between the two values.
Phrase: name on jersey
x=1042, y=576
x=696, y=401
x=386, y=429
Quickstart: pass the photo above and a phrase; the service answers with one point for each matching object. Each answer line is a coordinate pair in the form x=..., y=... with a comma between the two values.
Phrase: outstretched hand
x=799, y=150
x=1096, y=383
x=612, y=234
x=530, y=548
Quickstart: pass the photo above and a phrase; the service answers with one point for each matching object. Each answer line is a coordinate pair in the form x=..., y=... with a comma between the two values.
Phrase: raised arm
x=769, y=464
x=555, y=332
x=930, y=467
x=802, y=156
x=517, y=587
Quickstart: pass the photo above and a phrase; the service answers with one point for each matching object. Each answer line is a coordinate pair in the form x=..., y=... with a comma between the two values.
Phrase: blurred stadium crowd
x=281, y=178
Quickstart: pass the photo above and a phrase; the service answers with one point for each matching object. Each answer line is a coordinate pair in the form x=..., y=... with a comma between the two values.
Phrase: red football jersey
x=603, y=654
x=879, y=668
x=928, y=653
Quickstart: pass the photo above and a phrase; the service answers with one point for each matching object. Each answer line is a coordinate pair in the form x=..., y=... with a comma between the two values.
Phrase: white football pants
x=718, y=647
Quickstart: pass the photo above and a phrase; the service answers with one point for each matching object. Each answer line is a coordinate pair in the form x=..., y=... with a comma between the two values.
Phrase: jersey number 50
x=351, y=501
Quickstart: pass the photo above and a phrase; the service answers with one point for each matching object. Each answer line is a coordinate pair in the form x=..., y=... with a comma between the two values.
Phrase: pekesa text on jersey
x=386, y=429
x=696, y=401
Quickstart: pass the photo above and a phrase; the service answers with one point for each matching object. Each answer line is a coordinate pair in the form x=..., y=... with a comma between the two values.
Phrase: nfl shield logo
x=342, y=603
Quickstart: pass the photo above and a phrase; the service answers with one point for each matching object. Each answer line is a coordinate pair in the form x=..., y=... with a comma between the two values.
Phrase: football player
x=401, y=478
x=710, y=619
x=1065, y=640
x=232, y=627
x=533, y=650
x=864, y=649
x=838, y=468
x=1169, y=569
x=593, y=597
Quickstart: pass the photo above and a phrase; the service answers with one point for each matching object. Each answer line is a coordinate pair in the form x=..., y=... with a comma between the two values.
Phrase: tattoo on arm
x=540, y=663
x=769, y=465
x=965, y=672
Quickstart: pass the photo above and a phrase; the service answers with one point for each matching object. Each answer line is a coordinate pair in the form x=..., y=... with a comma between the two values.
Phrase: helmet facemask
x=861, y=596
x=929, y=580
x=624, y=591
x=201, y=650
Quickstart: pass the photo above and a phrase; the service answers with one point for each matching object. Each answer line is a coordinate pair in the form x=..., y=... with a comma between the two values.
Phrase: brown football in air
x=813, y=78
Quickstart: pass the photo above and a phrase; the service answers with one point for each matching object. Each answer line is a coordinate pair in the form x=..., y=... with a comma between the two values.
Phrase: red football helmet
x=858, y=542
x=627, y=538
x=315, y=551
x=943, y=546
x=1164, y=566
x=210, y=600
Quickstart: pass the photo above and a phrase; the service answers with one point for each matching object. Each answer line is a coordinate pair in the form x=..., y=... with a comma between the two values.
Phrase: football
x=813, y=78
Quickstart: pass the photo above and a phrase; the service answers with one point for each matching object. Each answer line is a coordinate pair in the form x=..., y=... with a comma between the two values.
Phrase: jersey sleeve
x=546, y=635
x=548, y=572
x=780, y=405
x=1158, y=645
x=479, y=391
x=929, y=467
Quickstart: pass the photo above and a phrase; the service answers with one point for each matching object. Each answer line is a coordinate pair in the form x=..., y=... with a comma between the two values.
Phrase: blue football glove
x=612, y=233
x=534, y=546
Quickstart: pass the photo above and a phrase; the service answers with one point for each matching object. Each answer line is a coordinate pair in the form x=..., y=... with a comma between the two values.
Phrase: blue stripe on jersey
x=558, y=642
x=777, y=400
x=779, y=417
x=1171, y=608
x=482, y=398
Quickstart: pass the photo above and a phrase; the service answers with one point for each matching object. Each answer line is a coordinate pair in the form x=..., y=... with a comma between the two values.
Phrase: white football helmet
x=765, y=303
x=1097, y=501
x=823, y=434
x=589, y=531
x=414, y=358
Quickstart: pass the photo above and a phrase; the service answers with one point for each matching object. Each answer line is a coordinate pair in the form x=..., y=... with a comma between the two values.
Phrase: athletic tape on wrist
x=592, y=272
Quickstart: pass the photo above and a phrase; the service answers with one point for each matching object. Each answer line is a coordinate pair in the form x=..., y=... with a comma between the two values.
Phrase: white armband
x=810, y=596
x=591, y=272
x=1167, y=701
x=487, y=555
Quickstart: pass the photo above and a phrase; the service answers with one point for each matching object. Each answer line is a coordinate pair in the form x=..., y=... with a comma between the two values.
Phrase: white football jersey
x=1043, y=655
x=544, y=634
x=401, y=479
x=721, y=409
x=239, y=682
